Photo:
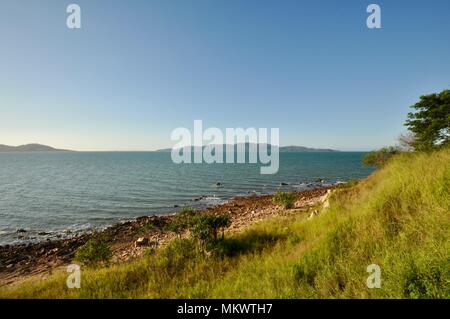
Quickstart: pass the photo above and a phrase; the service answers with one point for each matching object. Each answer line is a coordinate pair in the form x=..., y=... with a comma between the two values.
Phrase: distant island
x=45, y=148
x=282, y=149
x=30, y=148
x=294, y=148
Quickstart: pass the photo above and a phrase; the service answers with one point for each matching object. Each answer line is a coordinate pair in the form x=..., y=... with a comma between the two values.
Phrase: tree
x=431, y=123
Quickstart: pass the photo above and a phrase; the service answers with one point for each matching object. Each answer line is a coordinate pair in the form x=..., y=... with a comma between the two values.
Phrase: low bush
x=206, y=227
x=380, y=157
x=182, y=220
x=285, y=200
x=94, y=252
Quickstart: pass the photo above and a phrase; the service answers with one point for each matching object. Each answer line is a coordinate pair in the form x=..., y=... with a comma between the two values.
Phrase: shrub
x=380, y=157
x=206, y=227
x=176, y=227
x=285, y=200
x=182, y=220
x=94, y=252
x=186, y=212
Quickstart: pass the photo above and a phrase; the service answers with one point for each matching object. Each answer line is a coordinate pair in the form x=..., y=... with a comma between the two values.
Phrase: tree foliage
x=430, y=124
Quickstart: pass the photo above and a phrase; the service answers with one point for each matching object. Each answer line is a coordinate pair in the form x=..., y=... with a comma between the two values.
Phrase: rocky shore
x=130, y=239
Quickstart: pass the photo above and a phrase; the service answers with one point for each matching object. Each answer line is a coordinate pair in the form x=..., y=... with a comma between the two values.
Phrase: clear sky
x=138, y=69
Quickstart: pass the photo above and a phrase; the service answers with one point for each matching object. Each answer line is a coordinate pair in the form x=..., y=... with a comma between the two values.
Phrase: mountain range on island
x=30, y=148
x=282, y=149
x=44, y=148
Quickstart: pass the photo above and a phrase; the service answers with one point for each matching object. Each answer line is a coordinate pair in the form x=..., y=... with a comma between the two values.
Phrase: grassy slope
x=398, y=218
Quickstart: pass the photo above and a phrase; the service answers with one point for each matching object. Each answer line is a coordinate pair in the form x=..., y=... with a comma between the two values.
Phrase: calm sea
x=63, y=194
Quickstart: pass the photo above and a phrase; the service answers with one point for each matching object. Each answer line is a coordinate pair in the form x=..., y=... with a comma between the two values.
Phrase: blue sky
x=138, y=69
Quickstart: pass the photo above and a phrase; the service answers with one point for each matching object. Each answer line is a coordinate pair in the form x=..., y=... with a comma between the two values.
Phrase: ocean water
x=63, y=194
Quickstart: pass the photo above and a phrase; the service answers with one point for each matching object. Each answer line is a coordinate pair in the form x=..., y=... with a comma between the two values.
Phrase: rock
x=21, y=230
x=43, y=233
x=325, y=199
x=141, y=241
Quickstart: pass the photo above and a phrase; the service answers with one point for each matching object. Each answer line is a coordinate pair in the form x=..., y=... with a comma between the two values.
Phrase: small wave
x=39, y=235
x=213, y=200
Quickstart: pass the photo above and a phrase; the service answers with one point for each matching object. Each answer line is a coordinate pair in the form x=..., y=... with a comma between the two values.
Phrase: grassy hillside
x=398, y=218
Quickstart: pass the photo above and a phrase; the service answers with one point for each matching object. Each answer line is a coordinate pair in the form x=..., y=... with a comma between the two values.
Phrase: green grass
x=398, y=218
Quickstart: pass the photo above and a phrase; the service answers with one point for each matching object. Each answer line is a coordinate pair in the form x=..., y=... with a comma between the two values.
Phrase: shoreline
x=19, y=262
x=26, y=235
